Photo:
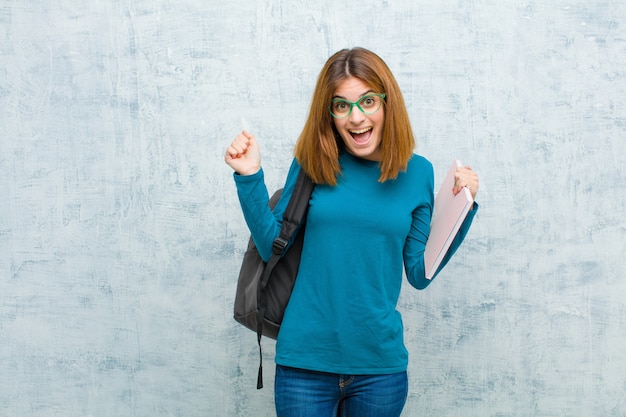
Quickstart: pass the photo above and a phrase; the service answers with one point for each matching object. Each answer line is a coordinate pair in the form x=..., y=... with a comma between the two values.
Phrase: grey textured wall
x=121, y=234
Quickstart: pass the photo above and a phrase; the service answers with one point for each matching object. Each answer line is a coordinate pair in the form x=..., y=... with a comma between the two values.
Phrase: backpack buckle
x=279, y=245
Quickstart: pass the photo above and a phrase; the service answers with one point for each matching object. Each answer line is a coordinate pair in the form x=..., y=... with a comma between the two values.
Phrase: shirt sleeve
x=415, y=244
x=460, y=236
x=264, y=223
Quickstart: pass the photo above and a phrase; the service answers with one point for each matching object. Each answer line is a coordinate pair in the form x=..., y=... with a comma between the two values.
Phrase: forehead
x=352, y=88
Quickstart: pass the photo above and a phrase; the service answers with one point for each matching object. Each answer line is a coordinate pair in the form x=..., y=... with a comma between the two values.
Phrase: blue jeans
x=302, y=393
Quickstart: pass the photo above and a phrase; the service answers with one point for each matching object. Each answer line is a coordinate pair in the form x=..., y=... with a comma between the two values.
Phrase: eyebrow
x=361, y=96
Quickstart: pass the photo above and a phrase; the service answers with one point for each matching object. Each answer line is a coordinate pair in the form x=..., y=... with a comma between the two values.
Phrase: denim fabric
x=302, y=393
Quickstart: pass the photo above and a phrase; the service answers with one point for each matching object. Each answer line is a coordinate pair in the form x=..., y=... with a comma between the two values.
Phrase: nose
x=356, y=115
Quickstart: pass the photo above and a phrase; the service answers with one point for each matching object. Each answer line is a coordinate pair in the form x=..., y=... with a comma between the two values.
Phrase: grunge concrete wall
x=121, y=234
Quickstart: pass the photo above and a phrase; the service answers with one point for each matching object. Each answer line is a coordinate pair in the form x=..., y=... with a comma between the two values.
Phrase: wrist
x=249, y=172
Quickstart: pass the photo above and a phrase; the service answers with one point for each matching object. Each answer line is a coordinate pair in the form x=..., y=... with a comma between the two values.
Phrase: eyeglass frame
x=356, y=103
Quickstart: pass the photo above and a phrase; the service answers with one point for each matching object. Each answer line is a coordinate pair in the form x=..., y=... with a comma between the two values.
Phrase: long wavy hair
x=319, y=145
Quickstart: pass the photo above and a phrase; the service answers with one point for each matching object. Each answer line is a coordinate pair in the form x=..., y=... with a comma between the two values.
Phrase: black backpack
x=263, y=290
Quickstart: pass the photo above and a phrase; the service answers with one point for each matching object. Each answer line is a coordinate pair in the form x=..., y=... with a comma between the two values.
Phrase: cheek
x=340, y=127
x=381, y=116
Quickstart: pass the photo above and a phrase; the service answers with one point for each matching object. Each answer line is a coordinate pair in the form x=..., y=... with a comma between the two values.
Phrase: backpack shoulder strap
x=295, y=212
x=293, y=216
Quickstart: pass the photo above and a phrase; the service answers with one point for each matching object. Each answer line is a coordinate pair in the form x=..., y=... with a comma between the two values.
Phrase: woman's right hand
x=243, y=155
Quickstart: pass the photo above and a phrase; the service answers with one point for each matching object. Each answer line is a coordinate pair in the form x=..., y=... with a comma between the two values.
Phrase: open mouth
x=361, y=136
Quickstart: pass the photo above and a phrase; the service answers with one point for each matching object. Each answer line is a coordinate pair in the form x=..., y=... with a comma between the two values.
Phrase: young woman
x=340, y=350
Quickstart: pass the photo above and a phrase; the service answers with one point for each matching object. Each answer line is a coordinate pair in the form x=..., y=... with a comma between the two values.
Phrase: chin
x=365, y=153
x=370, y=152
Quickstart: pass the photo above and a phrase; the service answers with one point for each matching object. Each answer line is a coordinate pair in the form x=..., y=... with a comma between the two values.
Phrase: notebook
x=449, y=212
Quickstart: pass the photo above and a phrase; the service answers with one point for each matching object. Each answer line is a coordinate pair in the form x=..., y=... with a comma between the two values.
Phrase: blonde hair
x=319, y=145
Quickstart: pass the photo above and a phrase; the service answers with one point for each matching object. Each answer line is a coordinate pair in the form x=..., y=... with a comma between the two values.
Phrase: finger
x=241, y=139
x=458, y=177
x=241, y=144
x=232, y=153
x=236, y=149
x=457, y=189
x=250, y=141
x=460, y=180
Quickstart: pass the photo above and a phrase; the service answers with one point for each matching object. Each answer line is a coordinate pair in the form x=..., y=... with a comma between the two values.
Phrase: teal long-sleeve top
x=359, y=236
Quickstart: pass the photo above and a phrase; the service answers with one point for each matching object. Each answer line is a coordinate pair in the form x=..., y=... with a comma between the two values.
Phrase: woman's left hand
x=465, y=177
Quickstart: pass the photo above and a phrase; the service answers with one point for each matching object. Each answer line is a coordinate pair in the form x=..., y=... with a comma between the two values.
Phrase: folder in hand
x=449, y=213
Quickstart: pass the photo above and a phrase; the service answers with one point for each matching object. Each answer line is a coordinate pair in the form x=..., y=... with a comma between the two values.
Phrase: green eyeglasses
x=368, y=104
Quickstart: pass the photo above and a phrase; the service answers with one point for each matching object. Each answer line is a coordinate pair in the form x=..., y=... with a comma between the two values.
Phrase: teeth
x=358, y=132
